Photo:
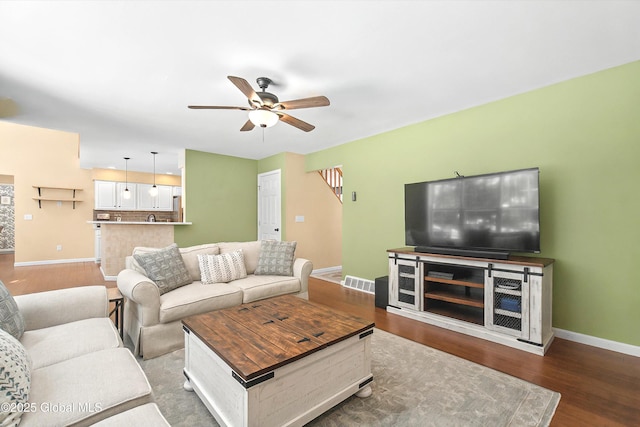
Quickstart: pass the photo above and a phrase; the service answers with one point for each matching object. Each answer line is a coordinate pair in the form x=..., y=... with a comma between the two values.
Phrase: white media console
x=504, y=301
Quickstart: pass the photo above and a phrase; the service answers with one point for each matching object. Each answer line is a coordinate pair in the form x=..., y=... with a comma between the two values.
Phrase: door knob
x=276, y=229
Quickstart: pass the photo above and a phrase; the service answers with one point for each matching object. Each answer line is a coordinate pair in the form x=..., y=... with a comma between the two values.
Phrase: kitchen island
x=118, y=238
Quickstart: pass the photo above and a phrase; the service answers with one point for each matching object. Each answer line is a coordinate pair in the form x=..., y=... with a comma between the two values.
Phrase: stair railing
x=333, y=178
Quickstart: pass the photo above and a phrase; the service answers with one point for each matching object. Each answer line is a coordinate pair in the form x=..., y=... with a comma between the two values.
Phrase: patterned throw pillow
x=222, y=268
x=15, y=378
x=11, y=319
x=276, y=258
x=165, y=267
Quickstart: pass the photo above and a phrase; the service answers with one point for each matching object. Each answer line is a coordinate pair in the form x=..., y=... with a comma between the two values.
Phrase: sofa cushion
x=250, y=250
x=165, y=267
x=87, y=389
x=16, y=378
x=222, y=268
x=260, y=287
x=190, y=257
x=55, y=344
x=11, y=319
x=197, y=298
x=144, y=415
x=276, y=258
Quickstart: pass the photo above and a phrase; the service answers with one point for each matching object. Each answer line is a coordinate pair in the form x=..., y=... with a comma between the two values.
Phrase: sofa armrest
x=139, y=289
x=302, y=270
x=51, y=308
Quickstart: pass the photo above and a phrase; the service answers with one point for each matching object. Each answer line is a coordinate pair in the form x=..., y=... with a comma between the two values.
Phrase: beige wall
x=319, y=237
x=131, y=176
x=44, y=157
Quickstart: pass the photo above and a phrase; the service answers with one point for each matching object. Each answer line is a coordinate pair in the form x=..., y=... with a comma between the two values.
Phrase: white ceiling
x=121, y=73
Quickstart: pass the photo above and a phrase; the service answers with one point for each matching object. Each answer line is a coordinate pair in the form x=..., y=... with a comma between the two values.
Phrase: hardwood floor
x=598, y=387
x=25, y=280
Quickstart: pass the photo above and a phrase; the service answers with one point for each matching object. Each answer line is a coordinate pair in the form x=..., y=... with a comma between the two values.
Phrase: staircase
x=333, y=178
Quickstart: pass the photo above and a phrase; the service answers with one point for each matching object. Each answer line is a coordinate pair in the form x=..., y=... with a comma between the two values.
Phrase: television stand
x=505, y=301
x=473, y=253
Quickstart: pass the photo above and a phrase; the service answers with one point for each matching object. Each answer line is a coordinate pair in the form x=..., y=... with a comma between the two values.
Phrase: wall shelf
x=42, y=198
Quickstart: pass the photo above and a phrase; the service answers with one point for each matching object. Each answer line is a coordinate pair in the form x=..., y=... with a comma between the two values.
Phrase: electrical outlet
x=59, y=248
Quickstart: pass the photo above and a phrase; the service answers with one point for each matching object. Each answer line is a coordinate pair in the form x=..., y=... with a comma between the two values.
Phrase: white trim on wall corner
x=632, y=350
x=108, y=278
x=326, y=270
x=52, y=261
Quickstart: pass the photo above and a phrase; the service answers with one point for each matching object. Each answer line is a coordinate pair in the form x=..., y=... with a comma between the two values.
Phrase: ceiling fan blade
x=8, y=107
x=247, y=126
x=245, y=88
x=290, y=120
x=216, y=107
x=314, y=101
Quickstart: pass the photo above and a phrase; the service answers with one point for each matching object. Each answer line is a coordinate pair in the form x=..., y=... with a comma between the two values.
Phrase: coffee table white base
x=291, y=395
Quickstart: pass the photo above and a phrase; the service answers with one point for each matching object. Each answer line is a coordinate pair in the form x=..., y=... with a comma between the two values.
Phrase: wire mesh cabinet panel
x=405, y=283
x=508, y=303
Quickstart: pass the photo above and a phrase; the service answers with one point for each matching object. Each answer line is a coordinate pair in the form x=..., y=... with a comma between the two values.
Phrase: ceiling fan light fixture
x=263, y=118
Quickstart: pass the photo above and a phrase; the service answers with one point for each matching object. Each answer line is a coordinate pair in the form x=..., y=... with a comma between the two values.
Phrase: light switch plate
x=299, y=218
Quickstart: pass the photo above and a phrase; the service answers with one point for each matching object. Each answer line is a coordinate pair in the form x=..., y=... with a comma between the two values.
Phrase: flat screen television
x=486, y=216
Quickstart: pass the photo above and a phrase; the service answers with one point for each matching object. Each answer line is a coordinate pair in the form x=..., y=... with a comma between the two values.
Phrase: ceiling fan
x=265, y=109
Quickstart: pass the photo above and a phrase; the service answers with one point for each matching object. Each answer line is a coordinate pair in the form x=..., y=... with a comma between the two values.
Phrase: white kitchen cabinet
x=122, y=203
x=162, y=202
x=109, y=196
x=105, y=195
x=98, y=243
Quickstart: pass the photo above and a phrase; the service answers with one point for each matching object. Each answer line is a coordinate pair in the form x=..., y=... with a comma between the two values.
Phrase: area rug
x=414, y=385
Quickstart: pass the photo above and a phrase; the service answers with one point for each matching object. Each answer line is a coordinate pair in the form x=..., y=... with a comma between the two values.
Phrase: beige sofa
x=80, y=373
x=154, y=321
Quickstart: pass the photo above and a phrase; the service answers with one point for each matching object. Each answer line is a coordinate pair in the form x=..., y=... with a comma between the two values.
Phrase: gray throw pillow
x=165, y=267
x=16, y=379
x=276, y=258
x=11, y=319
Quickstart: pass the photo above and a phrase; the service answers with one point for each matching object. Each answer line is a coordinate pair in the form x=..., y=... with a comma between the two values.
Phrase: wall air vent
x=359, y=284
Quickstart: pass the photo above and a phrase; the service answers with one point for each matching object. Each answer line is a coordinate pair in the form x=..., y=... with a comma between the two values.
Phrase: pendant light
x=126, y=194
x=153, y=191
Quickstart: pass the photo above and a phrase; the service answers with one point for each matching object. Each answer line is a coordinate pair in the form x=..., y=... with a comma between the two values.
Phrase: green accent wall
x=583, y=134
x=220, y=197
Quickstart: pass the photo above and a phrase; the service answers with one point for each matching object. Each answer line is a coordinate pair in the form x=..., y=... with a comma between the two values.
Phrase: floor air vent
x=359, y=284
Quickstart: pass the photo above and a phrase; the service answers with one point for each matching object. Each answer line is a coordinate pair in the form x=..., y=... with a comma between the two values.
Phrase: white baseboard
x=632, y=350
x=52, y=261
x=326, y=270
x=108, y=278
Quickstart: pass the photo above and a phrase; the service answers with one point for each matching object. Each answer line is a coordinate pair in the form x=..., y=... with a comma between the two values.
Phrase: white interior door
x=269, y=214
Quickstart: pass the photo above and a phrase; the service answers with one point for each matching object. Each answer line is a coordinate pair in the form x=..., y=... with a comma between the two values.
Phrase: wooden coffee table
x=276, y=362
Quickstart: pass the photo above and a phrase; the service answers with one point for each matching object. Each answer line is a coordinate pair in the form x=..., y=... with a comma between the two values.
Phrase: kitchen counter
x=119, y=238
x=139, y=223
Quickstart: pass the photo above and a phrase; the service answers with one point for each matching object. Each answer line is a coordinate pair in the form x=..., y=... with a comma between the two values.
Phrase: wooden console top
x=513, y=259
x=259, y=337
